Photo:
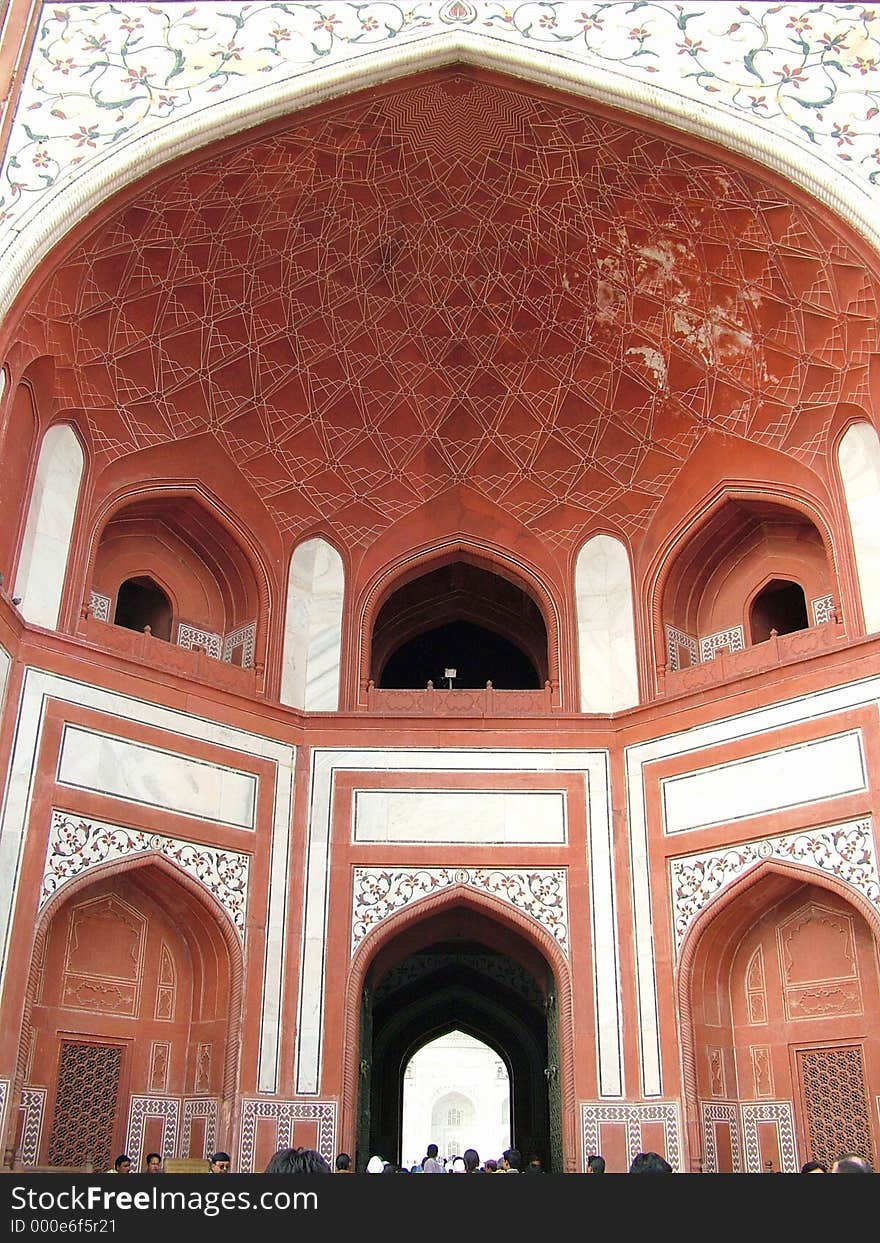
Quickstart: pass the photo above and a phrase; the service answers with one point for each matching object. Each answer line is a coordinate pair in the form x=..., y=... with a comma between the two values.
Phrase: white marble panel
x=606, y=630
x=491, y=817
x=42, y=564
x=5, y=666
x=38, y=688
x=142, y=774
x=858, y=455
x=313, y=628
x=773, y=781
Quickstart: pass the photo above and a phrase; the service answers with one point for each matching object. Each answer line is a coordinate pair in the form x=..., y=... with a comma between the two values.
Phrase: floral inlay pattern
x=845, y=851
x=76, y=844
x=540, y=893
x=103, y=74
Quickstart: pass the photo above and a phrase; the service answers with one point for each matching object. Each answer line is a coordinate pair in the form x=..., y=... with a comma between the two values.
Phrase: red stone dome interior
x=457, y=281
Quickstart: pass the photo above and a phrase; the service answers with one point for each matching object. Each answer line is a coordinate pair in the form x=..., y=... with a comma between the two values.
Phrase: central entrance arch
x=462, y=962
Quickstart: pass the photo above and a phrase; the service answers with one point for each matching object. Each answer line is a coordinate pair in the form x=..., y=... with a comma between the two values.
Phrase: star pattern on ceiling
x=459, y=283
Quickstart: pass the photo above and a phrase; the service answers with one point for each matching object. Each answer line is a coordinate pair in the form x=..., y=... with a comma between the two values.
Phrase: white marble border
x=285, y=1113
x=33, y=1106
x=593, y=765
x=780, y=777
x=139, y=1109
x=150, y=776
x=754, y=724
x=634, y=1116
x=720, y=1111
x=45, y=222
x=540, y=893
x=199, y=1107
x=37, y=689
x=782, y=1114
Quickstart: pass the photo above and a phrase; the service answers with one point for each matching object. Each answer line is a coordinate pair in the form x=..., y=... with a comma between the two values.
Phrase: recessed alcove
x=462, y=616
x=754, y=566
x=141, y=603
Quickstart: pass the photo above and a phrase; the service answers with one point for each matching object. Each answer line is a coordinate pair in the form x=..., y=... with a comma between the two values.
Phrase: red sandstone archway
x=137, y=957
x=461, y=911
x=779, y=1000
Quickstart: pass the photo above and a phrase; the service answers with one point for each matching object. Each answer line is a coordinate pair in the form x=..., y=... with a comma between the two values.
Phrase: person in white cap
x=375, y=1165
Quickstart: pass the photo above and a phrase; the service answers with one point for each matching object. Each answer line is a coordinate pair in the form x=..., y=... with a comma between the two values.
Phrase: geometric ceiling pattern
x=459, y=282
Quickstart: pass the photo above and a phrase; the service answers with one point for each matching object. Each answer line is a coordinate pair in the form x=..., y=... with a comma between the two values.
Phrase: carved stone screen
x=835, y=1102
x=85, y=1105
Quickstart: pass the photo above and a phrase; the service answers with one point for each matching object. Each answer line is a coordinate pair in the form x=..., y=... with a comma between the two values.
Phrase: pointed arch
x=498, y=912
x=215, y=913
x=727, y=897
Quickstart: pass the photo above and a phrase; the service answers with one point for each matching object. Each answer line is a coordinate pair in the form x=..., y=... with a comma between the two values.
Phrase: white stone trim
x=634, y=1116
x=142, y=1107
x=782, y=1114
x=594, y=768
x=674, y=99
x=99, y=606
x=720, y=1111
x=33, y=1106
x=285, y=1113
x=845, y=851
x=808, y=708
x=199, y=1107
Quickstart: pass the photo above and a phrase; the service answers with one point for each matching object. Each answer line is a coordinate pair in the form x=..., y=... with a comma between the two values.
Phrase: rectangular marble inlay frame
x=593, y=765
x=839, y=754
x=517, y=810
x=78, y=742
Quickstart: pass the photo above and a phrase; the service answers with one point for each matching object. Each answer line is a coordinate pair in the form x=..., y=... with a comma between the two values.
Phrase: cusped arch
x=693, y=940
x=415, y=564
x=199, y=893
x=500, y=912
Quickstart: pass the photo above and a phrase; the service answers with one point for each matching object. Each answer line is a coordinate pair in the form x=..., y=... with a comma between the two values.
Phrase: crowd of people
x=308, y=1161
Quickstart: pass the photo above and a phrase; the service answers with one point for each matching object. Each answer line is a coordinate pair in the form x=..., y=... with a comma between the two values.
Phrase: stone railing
x=779, y=649
x=480, y=702
x=186, y=662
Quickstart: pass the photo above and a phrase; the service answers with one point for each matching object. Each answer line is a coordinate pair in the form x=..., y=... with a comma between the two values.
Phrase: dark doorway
x=465, y=617
x=476, y=654
x=470, y=984
x=140, y=603
x=780, y=606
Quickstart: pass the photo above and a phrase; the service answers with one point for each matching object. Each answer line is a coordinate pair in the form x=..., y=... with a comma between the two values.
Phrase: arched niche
x=134, y=986
x=780, y=1002
x=462, y=961
x=858, y=459
x=606, y=626
x=42, y=563
x=313, y=628
x=459, y=612
x=175, y=545
x=744, y=546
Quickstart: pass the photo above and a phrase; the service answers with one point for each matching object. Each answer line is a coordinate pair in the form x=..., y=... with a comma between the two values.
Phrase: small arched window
x=780, y=606
x=140, y=603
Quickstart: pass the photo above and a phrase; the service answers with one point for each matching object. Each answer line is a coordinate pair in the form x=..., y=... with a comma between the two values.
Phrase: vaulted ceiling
x=459, y=282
